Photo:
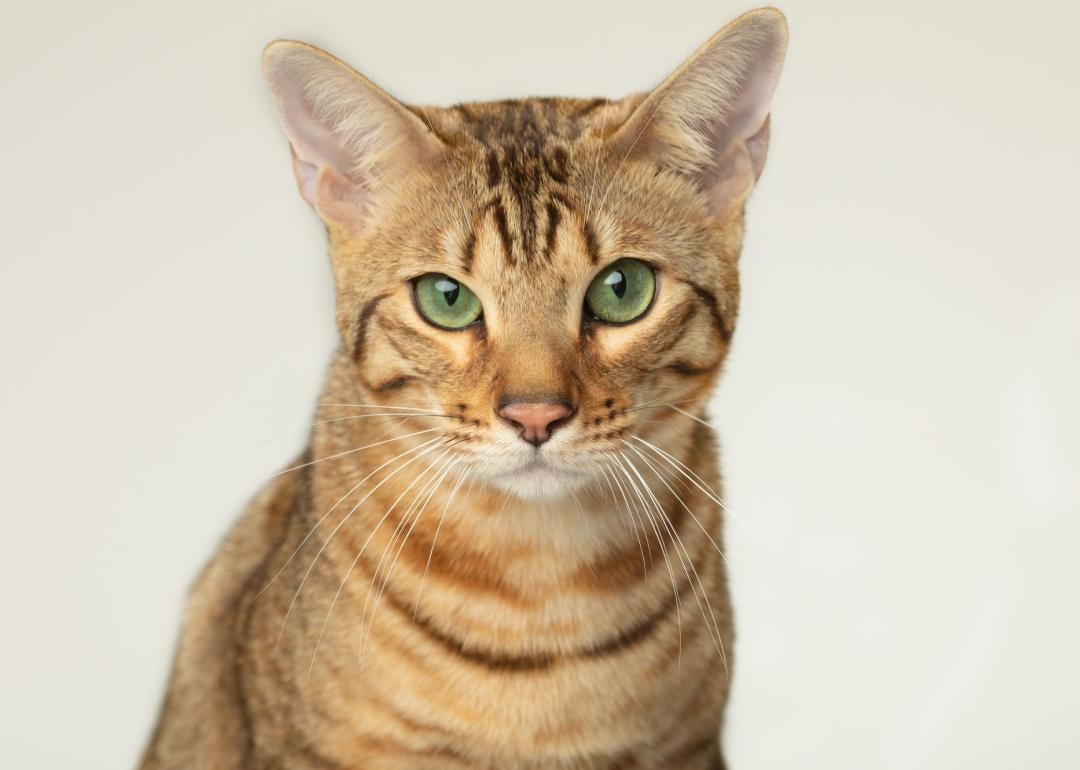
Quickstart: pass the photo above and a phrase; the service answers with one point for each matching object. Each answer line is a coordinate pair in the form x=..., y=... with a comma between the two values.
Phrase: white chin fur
x=538, y=483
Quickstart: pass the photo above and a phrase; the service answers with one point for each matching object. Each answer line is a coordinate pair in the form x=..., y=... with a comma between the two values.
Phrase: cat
x=502, y=547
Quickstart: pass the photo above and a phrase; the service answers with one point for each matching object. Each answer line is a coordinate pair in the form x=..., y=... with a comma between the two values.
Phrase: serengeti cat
x=502, y=546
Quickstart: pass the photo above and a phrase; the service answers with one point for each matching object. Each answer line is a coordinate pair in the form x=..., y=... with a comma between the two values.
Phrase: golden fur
x=414, y=594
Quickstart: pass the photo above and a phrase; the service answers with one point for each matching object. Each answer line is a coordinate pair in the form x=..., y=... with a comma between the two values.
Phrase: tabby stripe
x=592, y=247
x=494, y=173
x=467, y=574
x=709, y=299
x=407, y=722
x=496, y=661
x=362, y=324
x=623, y=567
x=553, y=217
x=670, y=333
x=624, y=762
x=504, y=230
x=406, y=342
x=562, y=200
x=642, y=631
x=493, y=661
x=313, y=758
x=402, y=329
x=395, y=383
x=243, y=609
x=710, y=745
x=558, y=165
x=689, y=370
x=667, y=335
x=590, y=107
x=468, y=252
x=464, y=111
x=384, y=746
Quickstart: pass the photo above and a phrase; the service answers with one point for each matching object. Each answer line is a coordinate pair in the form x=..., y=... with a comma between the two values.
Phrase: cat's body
x=426, y=589
x=525, y=651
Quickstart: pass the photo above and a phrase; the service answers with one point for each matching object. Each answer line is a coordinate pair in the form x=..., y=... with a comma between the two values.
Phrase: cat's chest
x=425, y=690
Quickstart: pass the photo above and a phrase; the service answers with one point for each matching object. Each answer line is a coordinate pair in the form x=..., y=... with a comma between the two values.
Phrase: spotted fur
x=424, y=589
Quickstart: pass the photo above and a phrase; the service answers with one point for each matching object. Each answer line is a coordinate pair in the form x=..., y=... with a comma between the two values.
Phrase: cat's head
x=559, y=276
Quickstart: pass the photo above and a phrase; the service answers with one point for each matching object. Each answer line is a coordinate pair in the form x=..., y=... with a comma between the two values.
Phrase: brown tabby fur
x=474, y=627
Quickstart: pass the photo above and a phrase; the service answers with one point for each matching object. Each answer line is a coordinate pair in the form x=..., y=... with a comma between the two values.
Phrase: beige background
x=899, y=416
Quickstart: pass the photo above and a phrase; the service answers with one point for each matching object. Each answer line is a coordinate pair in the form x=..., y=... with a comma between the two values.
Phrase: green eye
x=621, y=292
x=445, y=302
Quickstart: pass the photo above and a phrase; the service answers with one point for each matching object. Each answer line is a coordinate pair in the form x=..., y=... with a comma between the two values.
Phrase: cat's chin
x=539, y=481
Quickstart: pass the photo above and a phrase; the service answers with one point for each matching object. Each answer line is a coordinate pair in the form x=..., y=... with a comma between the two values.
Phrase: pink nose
x=536, y=421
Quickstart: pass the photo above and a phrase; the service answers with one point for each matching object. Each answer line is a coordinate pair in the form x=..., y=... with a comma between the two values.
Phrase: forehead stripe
x=468, y=252
x=592, y=246
x=553, y=218
x=494, y=173
x=499, y=212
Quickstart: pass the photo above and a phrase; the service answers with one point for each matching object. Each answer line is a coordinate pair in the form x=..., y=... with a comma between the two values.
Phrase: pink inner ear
x=737, y=129
x=329, y=192
x=737, y=163
x=728, y=181
x=758, y=147
x=739, y=143
x=312, y=140
x=345, y=133
x=340, y=199
x=315, y=150
x=307, y=177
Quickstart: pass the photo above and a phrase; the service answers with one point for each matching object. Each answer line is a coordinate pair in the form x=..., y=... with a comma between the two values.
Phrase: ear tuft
x=346, y=134
x=710, y=119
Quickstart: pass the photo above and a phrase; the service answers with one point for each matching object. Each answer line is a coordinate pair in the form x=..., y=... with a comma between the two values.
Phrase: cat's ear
x=710, y=119
x=347, y=135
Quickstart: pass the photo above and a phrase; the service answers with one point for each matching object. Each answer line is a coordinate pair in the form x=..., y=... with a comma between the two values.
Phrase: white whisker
x=700, y=594
x=354, y=451
x=657, y=470
x=693, y=417
x=697, y=481
x=341, y=523
x=663, y=548
x=631, y=524
x=340, y=500
x=435, y=538
x=421, y=498
x=356, y=559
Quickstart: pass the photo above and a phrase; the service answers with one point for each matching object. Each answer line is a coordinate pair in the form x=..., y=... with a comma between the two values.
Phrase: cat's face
x=523, y=228
x=555, y=280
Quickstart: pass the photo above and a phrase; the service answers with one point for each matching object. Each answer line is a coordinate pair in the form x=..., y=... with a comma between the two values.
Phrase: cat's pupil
x=617, y=281
x=450, y=290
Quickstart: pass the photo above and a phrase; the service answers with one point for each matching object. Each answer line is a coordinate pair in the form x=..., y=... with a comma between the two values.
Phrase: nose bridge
x=535, y=366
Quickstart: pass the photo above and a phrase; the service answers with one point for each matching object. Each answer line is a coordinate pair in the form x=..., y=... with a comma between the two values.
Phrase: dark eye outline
x=589, y=317
x=478, y=322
